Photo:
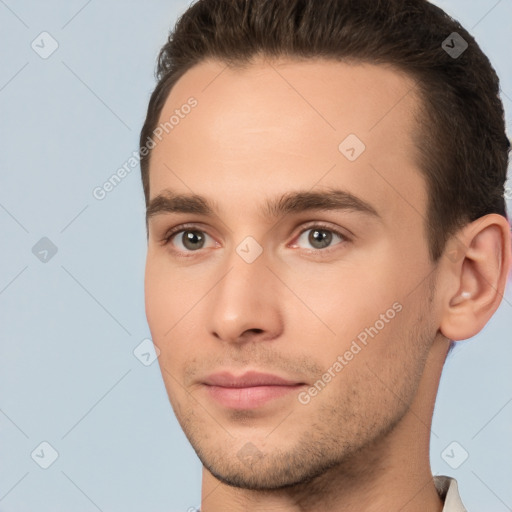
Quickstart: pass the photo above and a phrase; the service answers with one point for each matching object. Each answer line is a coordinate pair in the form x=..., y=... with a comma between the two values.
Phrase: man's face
x=332, y=300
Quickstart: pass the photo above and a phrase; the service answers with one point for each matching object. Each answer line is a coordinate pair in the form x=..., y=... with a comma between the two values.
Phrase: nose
x=246, y=304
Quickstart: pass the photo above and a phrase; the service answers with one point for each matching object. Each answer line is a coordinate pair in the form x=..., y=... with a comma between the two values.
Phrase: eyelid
x=343, y=232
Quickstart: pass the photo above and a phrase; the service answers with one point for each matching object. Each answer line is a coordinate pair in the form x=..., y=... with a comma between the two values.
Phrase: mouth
x=248, y=391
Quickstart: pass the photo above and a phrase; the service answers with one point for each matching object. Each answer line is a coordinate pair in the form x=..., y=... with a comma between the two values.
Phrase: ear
x=475, y=269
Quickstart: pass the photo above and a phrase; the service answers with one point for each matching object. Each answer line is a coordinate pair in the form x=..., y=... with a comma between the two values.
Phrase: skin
x=274, y=127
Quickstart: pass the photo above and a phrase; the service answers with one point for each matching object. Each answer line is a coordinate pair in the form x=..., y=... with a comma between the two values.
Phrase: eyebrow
x=291, y=202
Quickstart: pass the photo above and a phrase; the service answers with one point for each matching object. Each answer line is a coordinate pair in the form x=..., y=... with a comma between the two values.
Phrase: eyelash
x=191, y=227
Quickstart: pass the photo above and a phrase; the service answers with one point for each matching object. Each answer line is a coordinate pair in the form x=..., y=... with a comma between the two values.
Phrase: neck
x=393, y=473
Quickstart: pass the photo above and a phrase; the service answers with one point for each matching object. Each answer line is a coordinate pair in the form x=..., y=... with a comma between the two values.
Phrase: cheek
x=162, y=299
x=375, y=379
x=156, y=298
x=348, y=301
x=169, y=304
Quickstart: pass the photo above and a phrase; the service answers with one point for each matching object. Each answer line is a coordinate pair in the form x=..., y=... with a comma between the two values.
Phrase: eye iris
x=192, y=237
x=322, y=236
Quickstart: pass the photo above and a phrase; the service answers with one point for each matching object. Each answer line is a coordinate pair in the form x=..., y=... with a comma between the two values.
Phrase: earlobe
x=479, y=276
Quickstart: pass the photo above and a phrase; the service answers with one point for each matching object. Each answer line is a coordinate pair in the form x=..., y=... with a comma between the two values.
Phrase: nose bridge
x=244, y=298
x=247, y=272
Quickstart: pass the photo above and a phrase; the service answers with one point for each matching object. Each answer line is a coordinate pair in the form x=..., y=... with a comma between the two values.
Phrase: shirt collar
x=448, y=491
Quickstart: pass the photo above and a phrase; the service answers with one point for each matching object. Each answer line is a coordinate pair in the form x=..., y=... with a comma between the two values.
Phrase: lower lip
x=249, y=398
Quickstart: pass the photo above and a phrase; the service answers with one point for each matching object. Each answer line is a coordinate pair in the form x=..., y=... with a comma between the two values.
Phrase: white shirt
x=447, y=489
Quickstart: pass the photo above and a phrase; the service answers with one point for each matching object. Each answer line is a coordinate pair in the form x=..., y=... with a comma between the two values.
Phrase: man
x=324, y=185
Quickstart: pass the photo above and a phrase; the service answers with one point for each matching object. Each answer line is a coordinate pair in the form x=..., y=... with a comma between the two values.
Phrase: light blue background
x=68, y=327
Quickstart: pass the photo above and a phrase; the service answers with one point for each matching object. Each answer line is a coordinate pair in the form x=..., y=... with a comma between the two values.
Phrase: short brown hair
x=462, y=144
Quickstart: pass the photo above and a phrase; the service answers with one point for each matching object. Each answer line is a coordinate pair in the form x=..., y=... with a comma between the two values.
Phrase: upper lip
x=247, y=380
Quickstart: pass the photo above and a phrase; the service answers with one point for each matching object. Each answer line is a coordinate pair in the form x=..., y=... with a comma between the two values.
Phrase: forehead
x=277, y=125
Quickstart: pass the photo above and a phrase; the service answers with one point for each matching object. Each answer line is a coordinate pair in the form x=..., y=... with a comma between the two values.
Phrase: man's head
x=460, y=131
x=348, y=122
